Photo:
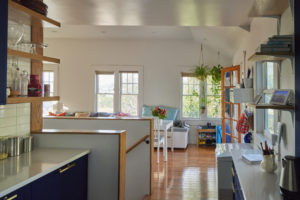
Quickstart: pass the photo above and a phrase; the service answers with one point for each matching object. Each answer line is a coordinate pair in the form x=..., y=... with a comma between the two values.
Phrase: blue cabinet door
x=74, y=180
x=23, y=193
x=46, y=188
x=67, y=183
x=3, y=49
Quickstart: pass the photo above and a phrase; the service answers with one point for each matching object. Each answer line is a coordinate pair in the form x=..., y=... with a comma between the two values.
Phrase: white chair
x=158, y=138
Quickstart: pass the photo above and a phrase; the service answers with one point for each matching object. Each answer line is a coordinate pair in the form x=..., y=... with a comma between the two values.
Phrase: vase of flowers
x=159, y=113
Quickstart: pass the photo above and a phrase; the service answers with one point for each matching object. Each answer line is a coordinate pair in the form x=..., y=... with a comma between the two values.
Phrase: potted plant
x=159, y=113
x=201, y=72
x=215, y=73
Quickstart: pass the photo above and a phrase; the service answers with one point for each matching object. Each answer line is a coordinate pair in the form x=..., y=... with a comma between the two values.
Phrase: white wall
x=261, y=29
x=162, y=60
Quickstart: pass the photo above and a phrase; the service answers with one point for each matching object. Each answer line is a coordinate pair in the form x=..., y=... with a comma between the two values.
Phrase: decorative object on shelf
x=35, y=5
x=17, y=81
x=34, y=87
x=14, y=34
x=268, y=163
x=281, y=97
x=24, y=83
x=8, y=91
x=13, y=93
x=46, y=90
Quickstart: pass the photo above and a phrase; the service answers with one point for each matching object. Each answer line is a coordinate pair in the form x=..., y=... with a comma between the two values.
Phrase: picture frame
x=280, y=97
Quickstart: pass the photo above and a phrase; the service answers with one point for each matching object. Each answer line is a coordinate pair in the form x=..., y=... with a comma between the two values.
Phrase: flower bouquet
x=160, y=113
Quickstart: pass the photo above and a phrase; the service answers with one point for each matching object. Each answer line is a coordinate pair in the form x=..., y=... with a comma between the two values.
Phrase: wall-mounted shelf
x=16, y=100
x=268, y=8
x=270, y=56
x=11, y=52
x=17, y=11
x=270, y=106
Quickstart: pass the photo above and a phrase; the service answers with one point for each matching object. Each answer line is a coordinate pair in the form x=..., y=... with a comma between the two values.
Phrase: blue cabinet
x=23, y=193
x=68, y=182
x=236, y=186
x=3, y=49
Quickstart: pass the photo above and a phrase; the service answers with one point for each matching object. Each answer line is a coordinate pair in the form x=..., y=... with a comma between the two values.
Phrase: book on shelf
x=270, y=49
x=282, y=45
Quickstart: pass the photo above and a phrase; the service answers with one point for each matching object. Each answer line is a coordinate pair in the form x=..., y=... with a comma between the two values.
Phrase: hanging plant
x=215, y=73
x=201, y=72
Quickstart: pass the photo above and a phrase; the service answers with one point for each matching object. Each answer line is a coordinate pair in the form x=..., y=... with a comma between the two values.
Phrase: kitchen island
x=20, y=171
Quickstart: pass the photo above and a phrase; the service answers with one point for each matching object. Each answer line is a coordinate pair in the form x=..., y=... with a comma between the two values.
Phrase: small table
x=166, y=124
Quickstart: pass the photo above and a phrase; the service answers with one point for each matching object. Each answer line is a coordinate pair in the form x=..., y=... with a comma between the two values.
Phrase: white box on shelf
x=243, y=95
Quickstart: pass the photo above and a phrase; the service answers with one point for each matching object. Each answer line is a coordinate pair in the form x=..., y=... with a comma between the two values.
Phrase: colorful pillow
x=82, y=114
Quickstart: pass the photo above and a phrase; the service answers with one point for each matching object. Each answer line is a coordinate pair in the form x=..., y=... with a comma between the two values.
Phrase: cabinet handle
x=11, y=198
x=66, y=168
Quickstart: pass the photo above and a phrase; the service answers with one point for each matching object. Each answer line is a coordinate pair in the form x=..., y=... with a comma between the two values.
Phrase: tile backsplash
x=15, y=119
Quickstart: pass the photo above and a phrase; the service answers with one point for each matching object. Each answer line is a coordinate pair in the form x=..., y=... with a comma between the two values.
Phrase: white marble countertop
x=16, y=172
x=255, y=183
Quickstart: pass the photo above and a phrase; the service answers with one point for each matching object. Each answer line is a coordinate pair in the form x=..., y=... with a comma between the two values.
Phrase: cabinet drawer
x=23, y=193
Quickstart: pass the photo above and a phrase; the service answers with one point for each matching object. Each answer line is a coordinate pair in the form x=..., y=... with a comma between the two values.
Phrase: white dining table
x=165, y=126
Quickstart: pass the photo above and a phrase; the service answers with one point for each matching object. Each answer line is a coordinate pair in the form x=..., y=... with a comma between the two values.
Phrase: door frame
x=224, y=70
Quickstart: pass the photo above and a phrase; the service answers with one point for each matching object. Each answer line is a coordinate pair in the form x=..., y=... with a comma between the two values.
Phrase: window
x=269, y=85
x=196, y=93
x=49, y=78
x=129, y=92
x=118, y=91
x=105, y=92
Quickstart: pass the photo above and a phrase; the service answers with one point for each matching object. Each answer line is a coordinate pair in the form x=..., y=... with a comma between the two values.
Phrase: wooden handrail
x=137, y=143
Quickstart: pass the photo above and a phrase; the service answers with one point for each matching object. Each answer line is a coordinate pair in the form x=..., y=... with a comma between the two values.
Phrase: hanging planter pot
x=203, y=109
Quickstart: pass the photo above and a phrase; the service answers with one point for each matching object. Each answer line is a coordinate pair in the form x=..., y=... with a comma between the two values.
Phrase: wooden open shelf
x=268, y=8
x=270, y=106
x=17, y=11
x=31, y=56
x=270, y=56
x=16, y=100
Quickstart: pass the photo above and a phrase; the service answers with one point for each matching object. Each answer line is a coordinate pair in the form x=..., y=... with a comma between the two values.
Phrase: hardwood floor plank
x=188, y=175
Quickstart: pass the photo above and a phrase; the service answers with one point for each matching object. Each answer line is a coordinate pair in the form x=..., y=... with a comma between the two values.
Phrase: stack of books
x=278, y=43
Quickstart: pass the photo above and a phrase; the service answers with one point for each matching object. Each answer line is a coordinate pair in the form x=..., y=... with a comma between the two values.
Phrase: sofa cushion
x=171, y=112
x=147, y=111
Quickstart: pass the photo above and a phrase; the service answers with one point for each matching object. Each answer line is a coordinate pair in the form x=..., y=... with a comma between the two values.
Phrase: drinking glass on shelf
x=14, y=34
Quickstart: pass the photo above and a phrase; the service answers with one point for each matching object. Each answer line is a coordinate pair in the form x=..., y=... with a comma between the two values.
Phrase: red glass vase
x=34, y=87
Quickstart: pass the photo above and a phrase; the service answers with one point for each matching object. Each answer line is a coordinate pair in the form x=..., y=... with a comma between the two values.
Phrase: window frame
x=201, y=116
x=117, y=95
x=269, y=91
x=97, y=88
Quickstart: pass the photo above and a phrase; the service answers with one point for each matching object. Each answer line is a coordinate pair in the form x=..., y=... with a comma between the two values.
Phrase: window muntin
x=129, y=91
x=105, y=92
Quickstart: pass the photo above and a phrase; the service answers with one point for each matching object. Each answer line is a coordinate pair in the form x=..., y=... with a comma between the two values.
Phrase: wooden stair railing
x=137, y=143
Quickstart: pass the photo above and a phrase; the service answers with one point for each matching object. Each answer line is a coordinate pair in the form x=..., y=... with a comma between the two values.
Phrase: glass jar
x=34, y=87
x=24, y=83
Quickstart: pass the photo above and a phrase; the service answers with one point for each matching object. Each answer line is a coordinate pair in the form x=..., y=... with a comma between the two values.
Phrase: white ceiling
x=151, y=12
x=215, y=22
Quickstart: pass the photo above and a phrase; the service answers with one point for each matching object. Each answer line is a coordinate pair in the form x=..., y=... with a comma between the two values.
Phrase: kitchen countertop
x=255, y=183
x=75, y=131
x=16, y=172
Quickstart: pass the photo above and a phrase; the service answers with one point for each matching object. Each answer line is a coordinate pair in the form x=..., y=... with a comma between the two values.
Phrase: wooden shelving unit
x=27, y=15
x=11, y=52
x=270, y=56
x=16, y=100
x=268, y=8
x=270, y=106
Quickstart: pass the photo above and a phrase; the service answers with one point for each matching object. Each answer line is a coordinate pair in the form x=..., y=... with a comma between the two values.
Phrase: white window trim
x=269, y=91
x=116, y=69
x=53, y=68
x=203, y=117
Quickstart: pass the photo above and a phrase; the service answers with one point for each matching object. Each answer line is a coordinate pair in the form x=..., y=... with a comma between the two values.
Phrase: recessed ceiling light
x=54, y=31
x=103, y=32
x=153, y=32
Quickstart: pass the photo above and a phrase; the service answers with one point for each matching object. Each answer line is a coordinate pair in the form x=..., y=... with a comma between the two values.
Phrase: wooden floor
x=188, y=175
